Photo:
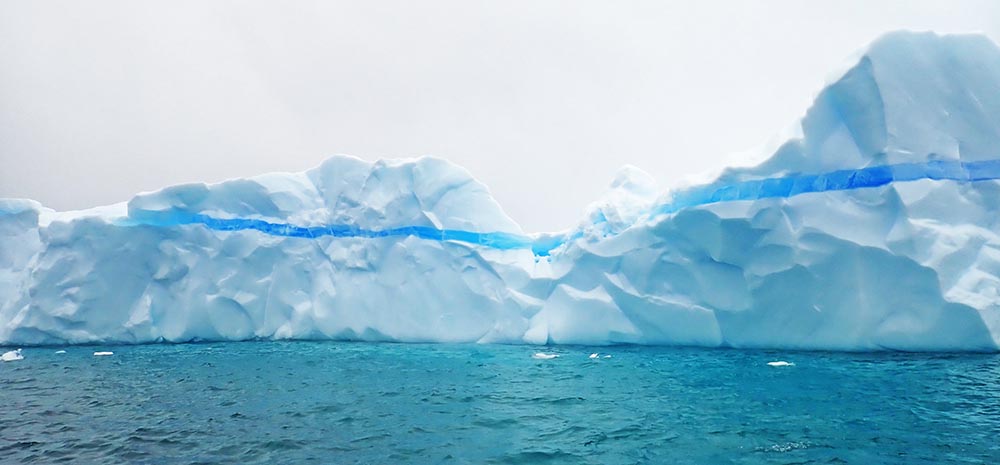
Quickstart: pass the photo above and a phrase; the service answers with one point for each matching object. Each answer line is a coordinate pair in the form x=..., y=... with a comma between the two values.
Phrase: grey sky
x=541, y=100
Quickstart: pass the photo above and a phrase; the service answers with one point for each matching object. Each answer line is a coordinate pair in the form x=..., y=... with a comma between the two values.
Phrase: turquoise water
x=339, y=403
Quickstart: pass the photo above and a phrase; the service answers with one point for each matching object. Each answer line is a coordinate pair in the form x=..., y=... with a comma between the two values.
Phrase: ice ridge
x=840, y=180
x=778, y=187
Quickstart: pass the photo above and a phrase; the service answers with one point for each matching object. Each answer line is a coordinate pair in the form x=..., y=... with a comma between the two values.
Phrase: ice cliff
x=875, y=227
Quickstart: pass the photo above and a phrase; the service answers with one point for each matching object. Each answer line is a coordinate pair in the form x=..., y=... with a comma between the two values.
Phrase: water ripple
x=327, y=402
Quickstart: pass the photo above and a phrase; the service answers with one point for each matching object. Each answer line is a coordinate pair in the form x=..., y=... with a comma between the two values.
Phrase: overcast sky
x=541, y=100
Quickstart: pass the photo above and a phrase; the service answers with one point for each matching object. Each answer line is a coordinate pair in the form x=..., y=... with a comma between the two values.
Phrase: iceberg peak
x=909, y=97
x=630, y=195
x=347, y=191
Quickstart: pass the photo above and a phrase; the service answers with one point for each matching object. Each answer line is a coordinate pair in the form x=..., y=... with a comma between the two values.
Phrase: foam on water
x=780, y=363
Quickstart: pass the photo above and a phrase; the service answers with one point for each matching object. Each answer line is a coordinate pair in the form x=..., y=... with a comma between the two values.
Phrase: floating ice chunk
x=103, y=354
x=780, y=363
x=607, y=356
x=544, y=356
x=12, y=356
x=879, y=213
x=60, y=351
x=593, y=356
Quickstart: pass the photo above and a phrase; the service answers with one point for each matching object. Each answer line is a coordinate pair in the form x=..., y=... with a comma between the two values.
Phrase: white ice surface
x=12, y=356
x=906, y=266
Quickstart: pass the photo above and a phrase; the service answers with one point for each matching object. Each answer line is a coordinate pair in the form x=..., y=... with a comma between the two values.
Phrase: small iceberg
x=60, y=351
x=593, y=356
x=103, y=354
x=12, y=356
x=543, y=356
x=780, y=363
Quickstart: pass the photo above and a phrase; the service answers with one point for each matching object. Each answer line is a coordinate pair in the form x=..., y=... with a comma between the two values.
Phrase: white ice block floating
x=12, y=356
x=876, y=226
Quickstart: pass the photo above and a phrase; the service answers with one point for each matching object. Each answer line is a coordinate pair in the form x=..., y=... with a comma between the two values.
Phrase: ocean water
x=342, y=403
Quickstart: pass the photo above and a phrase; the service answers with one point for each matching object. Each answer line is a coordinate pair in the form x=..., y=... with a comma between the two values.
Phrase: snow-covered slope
x=875, y=228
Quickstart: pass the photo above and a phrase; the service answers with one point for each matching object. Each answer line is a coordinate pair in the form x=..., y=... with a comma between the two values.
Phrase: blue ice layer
x=544, y=244
x=496, y=240
x=875, y=176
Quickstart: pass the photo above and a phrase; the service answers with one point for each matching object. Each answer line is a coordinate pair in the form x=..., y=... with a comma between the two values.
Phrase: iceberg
x=12, y=356
x=874, y=226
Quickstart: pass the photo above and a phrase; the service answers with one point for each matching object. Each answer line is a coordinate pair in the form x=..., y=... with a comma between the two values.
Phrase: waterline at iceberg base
x=875, y=227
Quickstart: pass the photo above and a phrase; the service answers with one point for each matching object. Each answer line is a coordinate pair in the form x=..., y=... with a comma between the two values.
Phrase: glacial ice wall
x=874, y=228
